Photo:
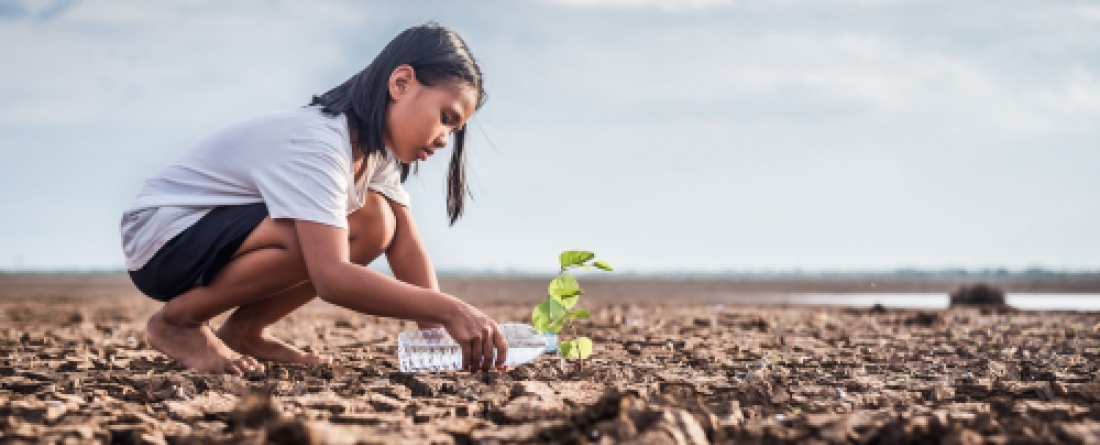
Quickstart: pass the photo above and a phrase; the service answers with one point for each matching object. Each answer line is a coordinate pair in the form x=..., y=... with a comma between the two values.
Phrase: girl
x=271, y=212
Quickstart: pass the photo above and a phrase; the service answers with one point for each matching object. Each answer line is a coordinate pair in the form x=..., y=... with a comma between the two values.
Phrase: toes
x=245, y=363
x=232, y=368
x=253, y=364
x=317, y=359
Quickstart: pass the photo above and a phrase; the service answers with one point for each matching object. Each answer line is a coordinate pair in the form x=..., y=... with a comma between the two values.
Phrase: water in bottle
x=435, y=350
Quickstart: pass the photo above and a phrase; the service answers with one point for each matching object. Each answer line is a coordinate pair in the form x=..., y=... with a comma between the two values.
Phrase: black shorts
x=196, y=255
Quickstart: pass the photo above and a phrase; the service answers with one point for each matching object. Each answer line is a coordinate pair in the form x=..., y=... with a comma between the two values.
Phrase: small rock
x=925, y=319
x=254, y=410
x=77, y=317
x=1058, y=389
x=292, y=432
x=941, y=394
x=385, y=403
x=980, y=294
x=964, y=437
x=366, y=418
x=182, y=411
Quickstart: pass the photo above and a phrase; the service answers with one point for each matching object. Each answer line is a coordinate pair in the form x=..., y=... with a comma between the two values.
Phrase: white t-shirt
x=298, y=162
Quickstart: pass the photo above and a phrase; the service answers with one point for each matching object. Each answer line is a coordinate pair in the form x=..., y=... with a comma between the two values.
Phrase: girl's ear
x=401, y=82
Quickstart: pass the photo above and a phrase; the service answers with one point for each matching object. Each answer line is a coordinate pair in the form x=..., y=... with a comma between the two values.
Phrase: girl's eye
x=445, y=119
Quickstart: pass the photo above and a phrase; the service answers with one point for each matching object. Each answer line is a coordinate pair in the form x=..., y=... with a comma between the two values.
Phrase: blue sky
x=664, y=135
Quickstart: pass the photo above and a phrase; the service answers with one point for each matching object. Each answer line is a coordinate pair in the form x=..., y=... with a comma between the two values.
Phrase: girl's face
x=421, y=118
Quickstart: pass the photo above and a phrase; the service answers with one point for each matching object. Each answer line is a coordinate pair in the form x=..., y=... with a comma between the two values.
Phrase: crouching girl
x=269, y=213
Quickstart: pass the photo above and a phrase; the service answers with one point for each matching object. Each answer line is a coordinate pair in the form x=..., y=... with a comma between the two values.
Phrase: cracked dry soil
x=77, y=371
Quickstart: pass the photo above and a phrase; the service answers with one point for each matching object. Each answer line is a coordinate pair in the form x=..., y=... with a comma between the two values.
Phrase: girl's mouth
x=423, y=154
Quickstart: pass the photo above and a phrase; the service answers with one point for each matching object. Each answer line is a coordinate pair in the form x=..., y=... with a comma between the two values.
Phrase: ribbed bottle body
x=435, y=350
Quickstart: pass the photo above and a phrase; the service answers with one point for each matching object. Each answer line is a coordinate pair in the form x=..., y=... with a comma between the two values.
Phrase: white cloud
x=664, y=5
x=1087, y=12
x=861, y=73
x=109, y=57
x=1079, y=95
x=697, y=5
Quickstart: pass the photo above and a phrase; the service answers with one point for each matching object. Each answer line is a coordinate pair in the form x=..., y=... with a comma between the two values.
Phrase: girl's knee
x=372, y=228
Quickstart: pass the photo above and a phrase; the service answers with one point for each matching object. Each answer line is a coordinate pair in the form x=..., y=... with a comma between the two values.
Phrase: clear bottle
x=435, y=350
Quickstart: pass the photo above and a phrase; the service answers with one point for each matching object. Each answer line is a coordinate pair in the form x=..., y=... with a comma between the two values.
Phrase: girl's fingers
x=467, y=356
x=501, y=345
x=476, y=352
x=488, y=347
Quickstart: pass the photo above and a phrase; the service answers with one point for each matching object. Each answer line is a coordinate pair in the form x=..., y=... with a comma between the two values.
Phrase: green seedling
x=552, y=314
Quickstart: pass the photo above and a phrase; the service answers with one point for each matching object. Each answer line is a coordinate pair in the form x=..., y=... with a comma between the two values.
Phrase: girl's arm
x=339, y=281
x=408, y=258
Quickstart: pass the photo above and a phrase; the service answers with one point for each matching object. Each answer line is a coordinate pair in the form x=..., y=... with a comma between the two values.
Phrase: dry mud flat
x=76, y=370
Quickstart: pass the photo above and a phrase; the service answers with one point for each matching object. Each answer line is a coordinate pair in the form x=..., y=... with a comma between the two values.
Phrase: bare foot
x=263, y=346
x=196, y=347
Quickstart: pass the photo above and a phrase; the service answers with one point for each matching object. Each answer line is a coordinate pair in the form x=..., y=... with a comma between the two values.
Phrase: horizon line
x=672, y=273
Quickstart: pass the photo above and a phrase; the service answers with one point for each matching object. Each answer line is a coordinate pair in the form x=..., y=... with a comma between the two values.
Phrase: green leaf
x=603, y=265
x=582, y=348
x=565, y=290
x=564, y=285
x=565, y=348
x=557, y=325
x=544, y=316
x=566, y=302
x=574, y=257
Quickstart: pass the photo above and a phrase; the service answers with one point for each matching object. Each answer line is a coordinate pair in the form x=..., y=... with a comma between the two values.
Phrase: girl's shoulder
x=304, y=121
x=290, y=127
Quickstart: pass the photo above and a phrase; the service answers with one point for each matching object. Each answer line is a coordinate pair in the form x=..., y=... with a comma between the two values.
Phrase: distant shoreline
x=615, y=288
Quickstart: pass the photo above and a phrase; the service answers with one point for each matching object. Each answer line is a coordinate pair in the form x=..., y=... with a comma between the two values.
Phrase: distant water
x=1050, y=302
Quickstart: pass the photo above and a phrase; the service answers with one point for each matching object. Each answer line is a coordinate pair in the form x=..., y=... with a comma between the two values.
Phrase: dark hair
x=437, y=55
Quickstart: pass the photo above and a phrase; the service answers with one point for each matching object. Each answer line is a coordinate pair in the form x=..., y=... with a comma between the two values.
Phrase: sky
x=694, y=135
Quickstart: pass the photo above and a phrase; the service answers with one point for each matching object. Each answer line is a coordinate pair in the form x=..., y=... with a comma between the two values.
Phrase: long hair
x=437, y=55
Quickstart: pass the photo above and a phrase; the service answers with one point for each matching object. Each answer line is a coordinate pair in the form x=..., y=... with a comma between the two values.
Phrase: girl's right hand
x=478, y=335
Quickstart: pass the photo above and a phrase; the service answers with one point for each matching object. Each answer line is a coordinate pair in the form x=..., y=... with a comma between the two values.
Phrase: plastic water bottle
x=435, y=350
